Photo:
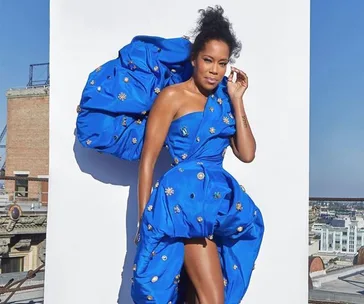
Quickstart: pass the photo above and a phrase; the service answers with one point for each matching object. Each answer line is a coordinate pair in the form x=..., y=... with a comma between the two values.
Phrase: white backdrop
x=92, y=203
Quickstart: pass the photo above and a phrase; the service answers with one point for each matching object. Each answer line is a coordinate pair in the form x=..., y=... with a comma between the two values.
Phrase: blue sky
x=337, y=98
x=337, y=83
x=24, y=40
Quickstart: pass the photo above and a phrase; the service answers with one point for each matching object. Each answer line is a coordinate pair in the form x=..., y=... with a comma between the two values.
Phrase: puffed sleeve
x=118, y=95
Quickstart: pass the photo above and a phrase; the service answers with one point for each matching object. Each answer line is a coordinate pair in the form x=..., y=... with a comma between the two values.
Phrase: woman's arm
x=159, y=120
x=243, y=142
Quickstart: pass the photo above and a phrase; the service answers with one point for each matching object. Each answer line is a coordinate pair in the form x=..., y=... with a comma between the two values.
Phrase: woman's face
x=210, y=64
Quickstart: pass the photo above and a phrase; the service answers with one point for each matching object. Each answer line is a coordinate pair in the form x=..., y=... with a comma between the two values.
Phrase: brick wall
x=360, y=258
x=316, y=264
x=27, y=145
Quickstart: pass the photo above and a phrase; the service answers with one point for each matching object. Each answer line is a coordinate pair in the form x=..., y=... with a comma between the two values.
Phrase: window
x=21, y=186
x=12, y=265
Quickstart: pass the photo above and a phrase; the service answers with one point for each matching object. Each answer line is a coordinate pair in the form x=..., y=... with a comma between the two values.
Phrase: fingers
x=239, y=72
x=231, y=75
x=240, y=75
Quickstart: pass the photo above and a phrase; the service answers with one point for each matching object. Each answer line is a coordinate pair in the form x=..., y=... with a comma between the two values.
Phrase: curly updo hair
x=212, y=25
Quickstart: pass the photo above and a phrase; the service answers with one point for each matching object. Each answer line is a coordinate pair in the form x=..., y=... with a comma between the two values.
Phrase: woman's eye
x=207, y=60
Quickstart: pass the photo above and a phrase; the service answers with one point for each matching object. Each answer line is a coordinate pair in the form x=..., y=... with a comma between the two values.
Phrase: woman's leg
x=203, y=267
x=191, y=295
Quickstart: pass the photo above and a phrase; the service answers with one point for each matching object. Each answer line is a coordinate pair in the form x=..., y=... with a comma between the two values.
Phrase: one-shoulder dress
x=196, y=197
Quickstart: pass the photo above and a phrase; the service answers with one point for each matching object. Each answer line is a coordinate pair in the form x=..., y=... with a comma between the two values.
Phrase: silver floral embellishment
x=169, y=191
x=122, y=96
x=226, y=120
x=176, y=209
x=212, y=130
x=239, y=206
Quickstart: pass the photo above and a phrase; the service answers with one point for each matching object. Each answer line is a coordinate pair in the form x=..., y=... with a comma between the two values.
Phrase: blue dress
x=196, y=197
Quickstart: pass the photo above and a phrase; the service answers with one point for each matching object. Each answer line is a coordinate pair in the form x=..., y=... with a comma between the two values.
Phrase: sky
x=24, y=40
x=336, y=84
x=337, y=98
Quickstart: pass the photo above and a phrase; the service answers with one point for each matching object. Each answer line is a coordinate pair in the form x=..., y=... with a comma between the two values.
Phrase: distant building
x=27, y=142
x=342, y=235
x=23, y=200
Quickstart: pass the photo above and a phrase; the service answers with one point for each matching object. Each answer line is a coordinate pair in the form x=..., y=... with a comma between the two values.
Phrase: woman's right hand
x=137, y=236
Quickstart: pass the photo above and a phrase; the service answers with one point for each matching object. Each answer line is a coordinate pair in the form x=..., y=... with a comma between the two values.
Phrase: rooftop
x=27, y=91
x=27, y=293
x=340, y=286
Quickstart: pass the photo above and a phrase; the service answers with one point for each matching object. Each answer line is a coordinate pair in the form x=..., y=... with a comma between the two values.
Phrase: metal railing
x=12, y=286
x=24, y=192
x=24, y=196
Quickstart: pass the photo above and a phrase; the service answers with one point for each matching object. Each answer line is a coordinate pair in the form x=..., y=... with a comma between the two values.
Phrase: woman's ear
x=193, y=60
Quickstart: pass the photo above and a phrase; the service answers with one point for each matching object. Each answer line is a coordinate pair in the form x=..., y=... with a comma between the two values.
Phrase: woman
x=184, y=114
x=199, y=232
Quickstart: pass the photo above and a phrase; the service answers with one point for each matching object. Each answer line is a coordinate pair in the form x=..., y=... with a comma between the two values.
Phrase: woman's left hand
x=237, y=89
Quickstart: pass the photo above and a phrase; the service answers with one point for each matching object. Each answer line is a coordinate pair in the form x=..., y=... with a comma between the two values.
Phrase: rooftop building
x=24, y=195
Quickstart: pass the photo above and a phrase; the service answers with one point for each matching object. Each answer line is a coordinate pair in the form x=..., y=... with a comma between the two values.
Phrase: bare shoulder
x=174, y=90
x=171, y=96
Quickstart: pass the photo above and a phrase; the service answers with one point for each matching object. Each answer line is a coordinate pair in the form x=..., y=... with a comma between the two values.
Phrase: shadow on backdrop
x=110, y=170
